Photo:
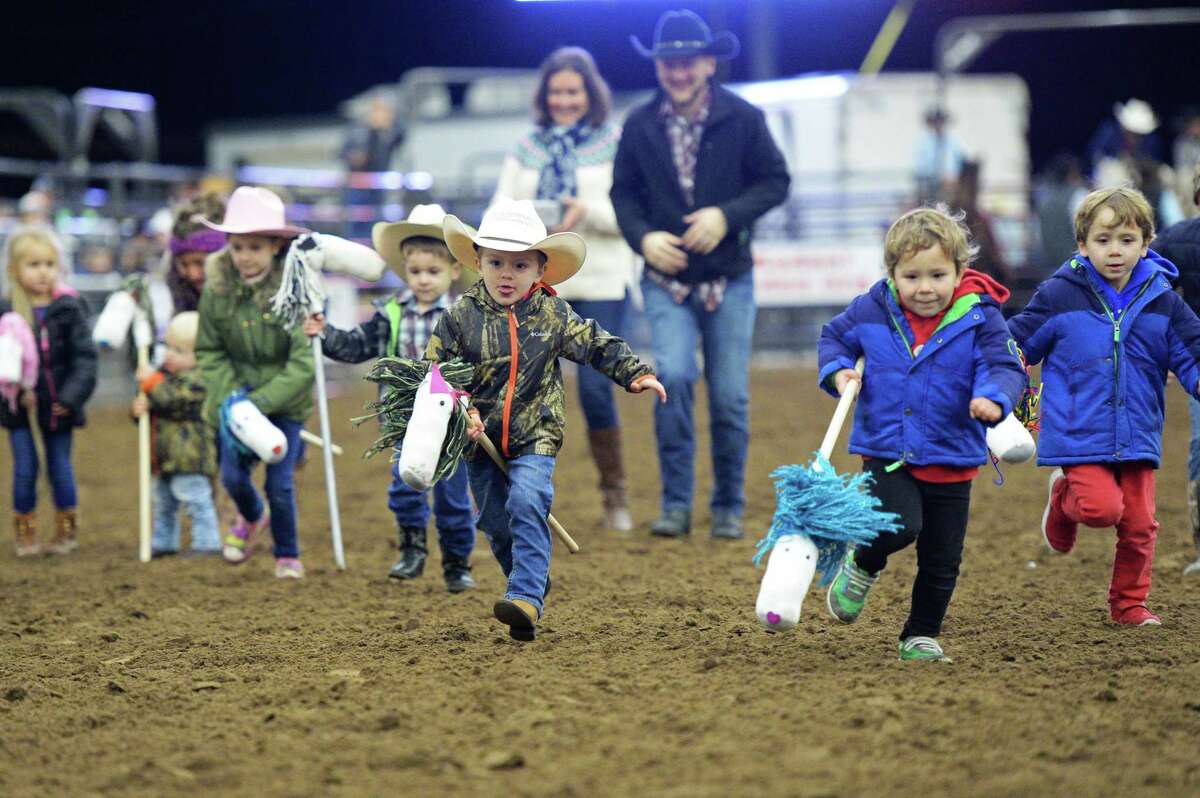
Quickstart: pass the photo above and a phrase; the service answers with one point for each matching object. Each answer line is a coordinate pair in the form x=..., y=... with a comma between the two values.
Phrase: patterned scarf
x=557, y=178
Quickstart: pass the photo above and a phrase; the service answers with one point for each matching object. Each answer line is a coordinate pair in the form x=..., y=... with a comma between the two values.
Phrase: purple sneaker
x=288, y=568
x=239, y=542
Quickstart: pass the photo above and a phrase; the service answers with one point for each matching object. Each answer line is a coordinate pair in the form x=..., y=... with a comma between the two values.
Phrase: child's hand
x=474, y=425
x=59, y=409
x=140, y=407
x=651, y=383
x=314, y=325
x=29, y=400
x=985, y=410
x=844, y=377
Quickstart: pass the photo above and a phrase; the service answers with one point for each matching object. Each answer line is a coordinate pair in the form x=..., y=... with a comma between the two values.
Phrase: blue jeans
x=595, y=388
x=512, y=513
x=451, y=503
x=194, y=493
x=1194, y=445
x=280, y=488
x=25, y=469
x=725, y=337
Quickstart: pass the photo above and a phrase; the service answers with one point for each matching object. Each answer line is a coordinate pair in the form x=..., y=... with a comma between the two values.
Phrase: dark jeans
x=25, y=469
x=934, y=514
x=596, y=389
x=280, y=487
x=451, y=503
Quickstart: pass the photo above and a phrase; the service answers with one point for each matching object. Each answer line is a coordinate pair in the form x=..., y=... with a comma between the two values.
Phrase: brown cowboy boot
x=65, y=538
x=606, y=451
x=25, y=526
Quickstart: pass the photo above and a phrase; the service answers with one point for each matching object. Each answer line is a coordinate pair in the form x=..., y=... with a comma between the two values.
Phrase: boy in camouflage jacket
x=514, y=328
x=184, y=451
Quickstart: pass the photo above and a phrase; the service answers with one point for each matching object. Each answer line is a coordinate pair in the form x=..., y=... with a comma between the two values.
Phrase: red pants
x=1120, y=495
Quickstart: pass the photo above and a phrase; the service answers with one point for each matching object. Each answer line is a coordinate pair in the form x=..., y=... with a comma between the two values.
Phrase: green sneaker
x=848, y=591
x=922, y=648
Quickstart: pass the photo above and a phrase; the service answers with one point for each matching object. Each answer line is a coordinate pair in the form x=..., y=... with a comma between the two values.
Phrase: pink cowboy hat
x=254, y=211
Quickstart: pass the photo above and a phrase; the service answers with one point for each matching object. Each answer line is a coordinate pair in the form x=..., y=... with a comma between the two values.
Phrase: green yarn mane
x=399, y=379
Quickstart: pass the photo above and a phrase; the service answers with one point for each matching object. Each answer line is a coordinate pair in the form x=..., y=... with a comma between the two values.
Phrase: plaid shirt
x=684, y=135
x=372, y=338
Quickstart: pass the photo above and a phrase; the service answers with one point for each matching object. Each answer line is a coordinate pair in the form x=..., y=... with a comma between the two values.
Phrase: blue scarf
x=557, y=178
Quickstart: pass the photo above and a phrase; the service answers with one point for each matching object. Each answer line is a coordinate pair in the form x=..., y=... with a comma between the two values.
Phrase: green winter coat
x=183, y=442
x=241, y=343
x=521, y=404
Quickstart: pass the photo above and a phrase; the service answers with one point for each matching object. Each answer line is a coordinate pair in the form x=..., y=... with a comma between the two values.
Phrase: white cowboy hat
x=514, y=226
x=254, y=211
x=1136, y=116
x=423, y=220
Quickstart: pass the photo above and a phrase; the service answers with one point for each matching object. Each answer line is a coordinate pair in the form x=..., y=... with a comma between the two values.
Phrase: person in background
x=567, y=160
x=938, y=160
x=696, y=167
x=1127, y=134
x=66, y=379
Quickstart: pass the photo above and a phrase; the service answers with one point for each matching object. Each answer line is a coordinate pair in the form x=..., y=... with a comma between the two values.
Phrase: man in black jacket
x=1180, y=244
x=695, y=168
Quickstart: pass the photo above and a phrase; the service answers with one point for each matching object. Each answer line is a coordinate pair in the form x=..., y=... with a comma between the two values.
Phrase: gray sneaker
x=673, y=523
x=726, y=525
x=848, y=592
x=921, y=648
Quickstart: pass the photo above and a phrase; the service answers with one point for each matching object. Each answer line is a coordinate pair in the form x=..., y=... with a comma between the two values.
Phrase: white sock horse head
x=790, y=571
x=426, y=433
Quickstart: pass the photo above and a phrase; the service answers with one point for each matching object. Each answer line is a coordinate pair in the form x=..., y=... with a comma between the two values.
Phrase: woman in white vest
x=565, y=165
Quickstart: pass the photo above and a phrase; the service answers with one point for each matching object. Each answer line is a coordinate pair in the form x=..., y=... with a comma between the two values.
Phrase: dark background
x=214, y=61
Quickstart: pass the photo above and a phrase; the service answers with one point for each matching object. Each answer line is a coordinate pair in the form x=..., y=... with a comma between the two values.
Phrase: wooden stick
x=315, y=440
x=144, y=517
x=335, y=521
x=566, y=539
x=839, y=415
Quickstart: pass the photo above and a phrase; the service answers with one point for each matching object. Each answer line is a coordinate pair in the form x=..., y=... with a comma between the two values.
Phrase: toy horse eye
x=441, y=403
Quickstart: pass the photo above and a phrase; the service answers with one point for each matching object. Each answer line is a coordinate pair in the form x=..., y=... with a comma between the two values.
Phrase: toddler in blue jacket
x=939, y=366
x=1106, y=327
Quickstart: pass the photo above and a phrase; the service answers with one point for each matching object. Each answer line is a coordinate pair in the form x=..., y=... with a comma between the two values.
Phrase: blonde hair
x=20, y=246
x=1128, y=205
x=923, y=228
x=183, y=327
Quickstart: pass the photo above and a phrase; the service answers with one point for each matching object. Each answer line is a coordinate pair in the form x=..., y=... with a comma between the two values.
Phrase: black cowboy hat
x=684, y=33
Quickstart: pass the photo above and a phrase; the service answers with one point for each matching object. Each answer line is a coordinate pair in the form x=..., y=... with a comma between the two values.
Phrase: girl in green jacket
x=242, y=347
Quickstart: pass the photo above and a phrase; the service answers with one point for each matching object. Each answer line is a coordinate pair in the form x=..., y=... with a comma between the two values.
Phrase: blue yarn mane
x=836, y=511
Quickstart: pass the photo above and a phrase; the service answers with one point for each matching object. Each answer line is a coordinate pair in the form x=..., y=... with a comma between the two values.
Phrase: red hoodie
x=973, y=282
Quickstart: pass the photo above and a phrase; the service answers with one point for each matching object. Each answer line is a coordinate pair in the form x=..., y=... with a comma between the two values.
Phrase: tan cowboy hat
x=514, y=226
x=253, y=210
x=423, y=220
x=1136, y=116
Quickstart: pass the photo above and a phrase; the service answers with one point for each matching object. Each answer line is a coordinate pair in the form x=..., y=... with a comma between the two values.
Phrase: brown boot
x=65, y=538
x=606, y=451
x=25, y=525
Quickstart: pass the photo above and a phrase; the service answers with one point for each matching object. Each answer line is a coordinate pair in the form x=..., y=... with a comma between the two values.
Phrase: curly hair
x=922, y=228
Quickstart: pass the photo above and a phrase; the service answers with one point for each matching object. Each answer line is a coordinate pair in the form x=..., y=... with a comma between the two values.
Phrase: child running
x=66, y=379
x=242, y=347
x=513, y=327
x=940, y=365
x=401, y=327
x=1106, y=328
x=185, y=450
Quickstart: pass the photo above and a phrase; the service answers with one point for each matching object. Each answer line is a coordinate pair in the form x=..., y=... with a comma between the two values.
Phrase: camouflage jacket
x=517, y=386
x=240, y=343
x=182, y=443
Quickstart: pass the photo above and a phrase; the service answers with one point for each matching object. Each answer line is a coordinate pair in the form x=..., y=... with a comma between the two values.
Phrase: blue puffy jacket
x=914, y=408
x=1103, y=374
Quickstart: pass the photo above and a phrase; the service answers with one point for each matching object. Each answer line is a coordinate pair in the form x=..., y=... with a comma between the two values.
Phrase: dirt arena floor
x=650, y=675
